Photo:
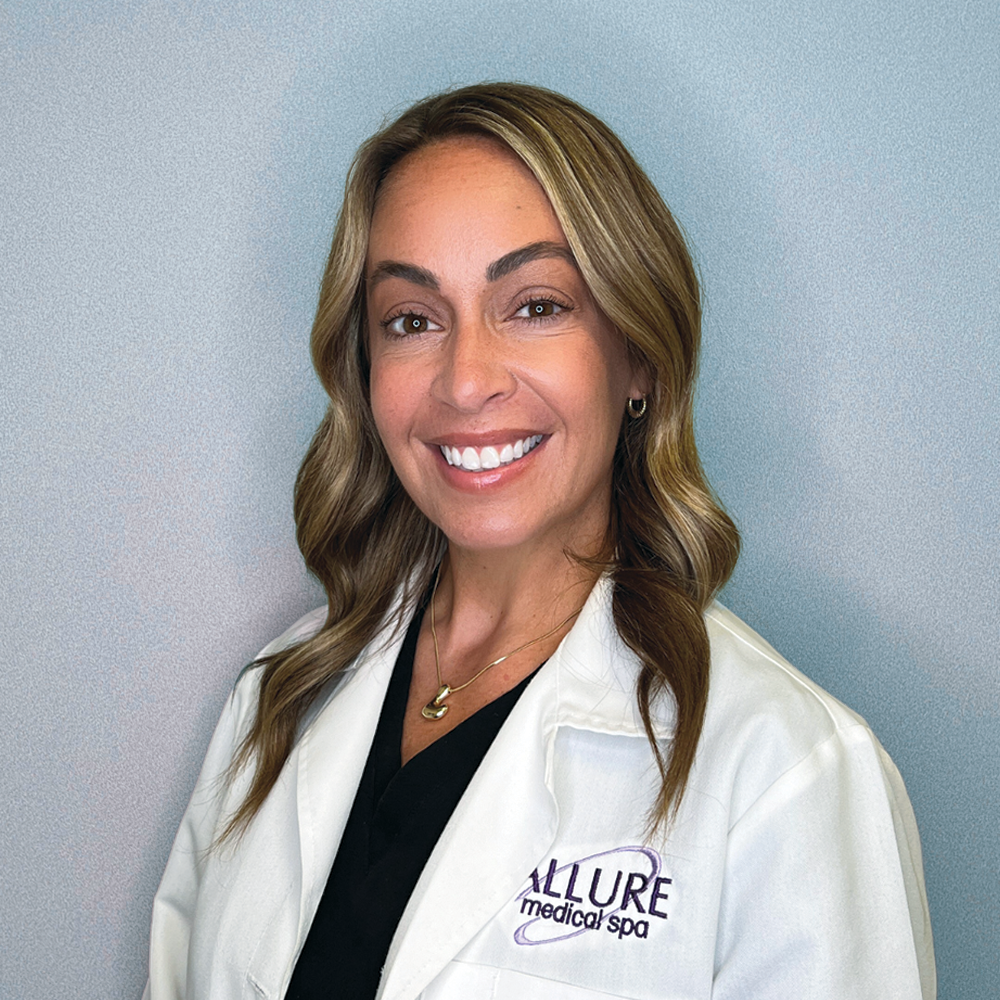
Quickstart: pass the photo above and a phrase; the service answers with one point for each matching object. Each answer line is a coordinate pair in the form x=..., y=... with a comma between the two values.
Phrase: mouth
x=479, y=459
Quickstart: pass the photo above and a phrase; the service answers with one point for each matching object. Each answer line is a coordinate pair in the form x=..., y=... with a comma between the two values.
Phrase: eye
x=540, y=309
x=408, y=324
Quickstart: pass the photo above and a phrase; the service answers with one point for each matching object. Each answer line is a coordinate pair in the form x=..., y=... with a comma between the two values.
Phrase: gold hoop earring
x=636, y=411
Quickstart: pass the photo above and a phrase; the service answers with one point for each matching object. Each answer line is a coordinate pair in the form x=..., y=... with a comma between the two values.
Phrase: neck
x=488, y=603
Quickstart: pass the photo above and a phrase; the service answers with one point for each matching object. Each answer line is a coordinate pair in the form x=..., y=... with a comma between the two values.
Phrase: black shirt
x=397, y=817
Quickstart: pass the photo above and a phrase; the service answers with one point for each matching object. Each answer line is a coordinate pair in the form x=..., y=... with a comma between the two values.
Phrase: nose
x=475, y=368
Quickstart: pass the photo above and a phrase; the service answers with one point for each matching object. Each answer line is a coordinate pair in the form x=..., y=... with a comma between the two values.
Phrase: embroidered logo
x=596, y=892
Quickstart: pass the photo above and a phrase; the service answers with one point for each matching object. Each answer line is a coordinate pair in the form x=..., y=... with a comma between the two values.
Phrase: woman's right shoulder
x=305, y=628
x=244, y=696
x=241, y=705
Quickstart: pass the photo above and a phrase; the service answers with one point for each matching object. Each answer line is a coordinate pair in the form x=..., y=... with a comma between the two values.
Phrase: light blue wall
x=169, y=177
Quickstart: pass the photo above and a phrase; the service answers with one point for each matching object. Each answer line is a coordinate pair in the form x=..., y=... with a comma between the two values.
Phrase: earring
x=636, y=410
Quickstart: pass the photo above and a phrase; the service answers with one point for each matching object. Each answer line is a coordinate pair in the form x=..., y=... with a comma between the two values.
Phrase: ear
x=641, y=384
x=640, y=378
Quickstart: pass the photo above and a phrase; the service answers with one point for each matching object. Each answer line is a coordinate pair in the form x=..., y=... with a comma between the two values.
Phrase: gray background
x=169, y=178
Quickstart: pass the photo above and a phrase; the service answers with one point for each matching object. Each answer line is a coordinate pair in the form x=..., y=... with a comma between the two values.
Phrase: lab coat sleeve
x=825, y=897
x=176, y=898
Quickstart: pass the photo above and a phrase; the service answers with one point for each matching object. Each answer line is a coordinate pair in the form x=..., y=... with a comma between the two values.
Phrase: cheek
x=603, y=390
x=397, y=395
x=384, y=402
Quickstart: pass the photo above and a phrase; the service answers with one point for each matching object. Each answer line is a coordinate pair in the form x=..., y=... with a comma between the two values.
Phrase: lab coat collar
x=597, y=675
x=500, y=830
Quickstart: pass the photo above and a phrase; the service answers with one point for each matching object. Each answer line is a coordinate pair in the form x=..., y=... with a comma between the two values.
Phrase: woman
x=522, y=752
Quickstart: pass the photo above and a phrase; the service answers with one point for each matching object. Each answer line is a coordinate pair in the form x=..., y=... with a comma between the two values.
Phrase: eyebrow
x=500, y=268
x=510, y=262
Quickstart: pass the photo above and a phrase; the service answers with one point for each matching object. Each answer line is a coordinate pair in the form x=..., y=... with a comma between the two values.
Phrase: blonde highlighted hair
x=367, y=542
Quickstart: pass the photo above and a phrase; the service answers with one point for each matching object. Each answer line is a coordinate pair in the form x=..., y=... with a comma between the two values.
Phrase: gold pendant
x=436, y=708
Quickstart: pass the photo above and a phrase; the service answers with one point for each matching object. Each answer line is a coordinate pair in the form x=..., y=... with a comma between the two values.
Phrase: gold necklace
x=436, y=708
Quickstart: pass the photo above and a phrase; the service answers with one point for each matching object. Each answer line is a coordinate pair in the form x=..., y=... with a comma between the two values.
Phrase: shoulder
x=243, y=700
x=750, y=679
x=819, y=832
x=306, y=627
x=765, y=719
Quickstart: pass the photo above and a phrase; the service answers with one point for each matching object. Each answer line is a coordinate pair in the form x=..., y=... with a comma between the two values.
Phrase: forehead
x=465, y=195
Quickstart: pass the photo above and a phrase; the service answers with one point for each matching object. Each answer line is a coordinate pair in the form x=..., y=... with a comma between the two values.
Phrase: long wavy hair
x=364, y=538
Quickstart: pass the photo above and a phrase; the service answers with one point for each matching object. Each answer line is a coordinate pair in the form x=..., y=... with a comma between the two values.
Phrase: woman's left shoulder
x=765, y=715
x=750, y=675
x=807, y=793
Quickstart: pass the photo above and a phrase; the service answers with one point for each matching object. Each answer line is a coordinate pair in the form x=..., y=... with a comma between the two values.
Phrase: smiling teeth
x=488, y=457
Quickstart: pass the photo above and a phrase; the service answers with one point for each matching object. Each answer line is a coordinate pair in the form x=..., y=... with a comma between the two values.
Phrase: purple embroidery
x=601, y=887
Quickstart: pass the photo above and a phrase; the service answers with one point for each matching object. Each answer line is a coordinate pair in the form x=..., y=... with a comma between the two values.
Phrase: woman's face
x=497, y=386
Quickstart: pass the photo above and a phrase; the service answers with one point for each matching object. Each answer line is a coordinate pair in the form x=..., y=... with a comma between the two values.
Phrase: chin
x=484, y=539
x=509, y=532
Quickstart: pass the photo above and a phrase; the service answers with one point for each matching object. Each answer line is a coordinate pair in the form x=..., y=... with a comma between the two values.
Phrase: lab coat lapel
x=332, y=758
x=325, y=768
x=502, y=826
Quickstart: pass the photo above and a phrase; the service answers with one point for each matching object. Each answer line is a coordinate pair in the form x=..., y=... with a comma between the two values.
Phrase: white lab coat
x=793, y=870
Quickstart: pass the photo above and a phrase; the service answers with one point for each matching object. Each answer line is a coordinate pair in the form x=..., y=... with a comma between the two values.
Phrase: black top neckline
x=389, y=764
